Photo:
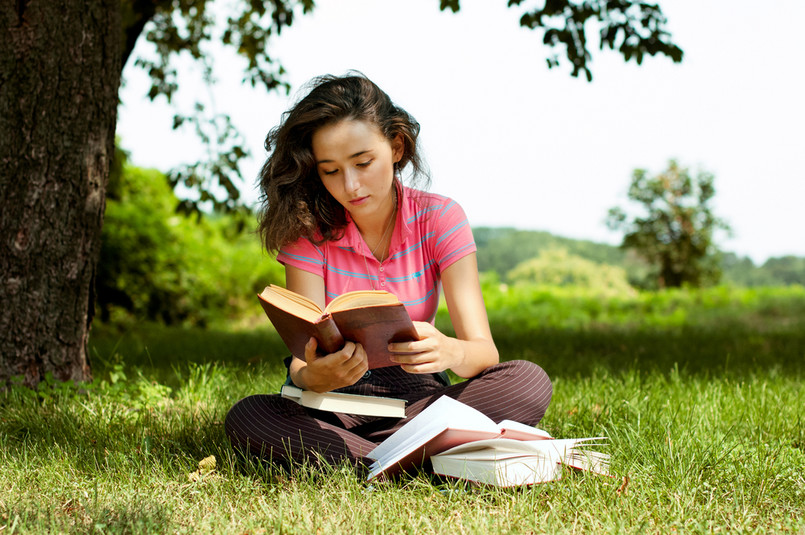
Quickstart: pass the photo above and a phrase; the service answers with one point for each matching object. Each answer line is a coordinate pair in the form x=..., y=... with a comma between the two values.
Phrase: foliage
x=184, y=27
x=530, y=307
x=556, y=267
x=789, y=269
x=157, y=264
x=500, y=249
x=635, y=28
x=776, y=271
x=675, y=231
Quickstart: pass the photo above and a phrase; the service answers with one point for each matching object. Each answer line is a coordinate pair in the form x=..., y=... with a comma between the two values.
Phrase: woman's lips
x=358, y=201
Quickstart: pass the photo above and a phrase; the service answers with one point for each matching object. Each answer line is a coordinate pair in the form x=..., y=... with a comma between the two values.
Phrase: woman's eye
x=364, y=164
x=329, y=172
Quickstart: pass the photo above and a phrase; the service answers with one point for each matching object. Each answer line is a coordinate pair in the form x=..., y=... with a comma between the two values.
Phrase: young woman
x=336, y=211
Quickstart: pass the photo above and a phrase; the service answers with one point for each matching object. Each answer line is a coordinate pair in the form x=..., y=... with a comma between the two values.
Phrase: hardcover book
x=346, y=403
x=373, y=318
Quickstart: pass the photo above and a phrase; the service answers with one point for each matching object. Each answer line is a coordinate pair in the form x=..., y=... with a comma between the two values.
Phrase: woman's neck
x=378, y=229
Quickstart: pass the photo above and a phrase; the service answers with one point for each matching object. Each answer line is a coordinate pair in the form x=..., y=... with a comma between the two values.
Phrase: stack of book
x=455, y=440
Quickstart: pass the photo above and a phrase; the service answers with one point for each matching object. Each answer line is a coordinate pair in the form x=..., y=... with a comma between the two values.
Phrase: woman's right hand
x=336, y=370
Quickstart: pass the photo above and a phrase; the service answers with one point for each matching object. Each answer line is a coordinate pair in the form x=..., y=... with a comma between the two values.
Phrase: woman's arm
x=322, y=374
x=473, y=349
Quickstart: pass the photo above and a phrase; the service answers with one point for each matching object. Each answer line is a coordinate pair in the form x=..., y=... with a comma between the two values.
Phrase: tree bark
x=60, y=65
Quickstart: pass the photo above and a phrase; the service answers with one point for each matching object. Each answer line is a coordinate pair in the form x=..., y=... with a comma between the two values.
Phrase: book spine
x=328, y=335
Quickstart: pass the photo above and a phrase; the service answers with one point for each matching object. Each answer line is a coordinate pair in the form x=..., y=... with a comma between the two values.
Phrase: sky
x=520, y=145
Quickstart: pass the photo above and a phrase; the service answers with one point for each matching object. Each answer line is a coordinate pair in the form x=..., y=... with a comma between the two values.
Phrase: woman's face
x=355, y=162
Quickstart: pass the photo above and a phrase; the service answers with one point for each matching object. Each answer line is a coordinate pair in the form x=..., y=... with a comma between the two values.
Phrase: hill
x=501, y=249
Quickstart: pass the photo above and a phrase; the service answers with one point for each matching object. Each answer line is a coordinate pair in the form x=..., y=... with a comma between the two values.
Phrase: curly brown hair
x=294, y=202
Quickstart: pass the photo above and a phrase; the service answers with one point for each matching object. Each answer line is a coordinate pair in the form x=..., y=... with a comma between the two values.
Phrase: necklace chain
x=383, y=237
x=382, y=240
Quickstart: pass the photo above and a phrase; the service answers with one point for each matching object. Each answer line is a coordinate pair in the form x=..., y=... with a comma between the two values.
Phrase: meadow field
x=699, y=392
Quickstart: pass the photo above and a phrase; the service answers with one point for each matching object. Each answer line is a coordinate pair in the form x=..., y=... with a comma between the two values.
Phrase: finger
x=310, y=350
x=414, y=359
x=349, y=349
x=340, y=356
x=359, y=359
x=417, y=368
x=408, y=348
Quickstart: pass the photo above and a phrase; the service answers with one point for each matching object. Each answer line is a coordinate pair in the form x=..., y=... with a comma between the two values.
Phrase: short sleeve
x=304, y=255
x=453, y=238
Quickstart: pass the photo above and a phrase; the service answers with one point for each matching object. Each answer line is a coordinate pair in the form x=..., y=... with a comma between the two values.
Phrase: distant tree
x=675, y=228
x=60, y=73
x=741, y=271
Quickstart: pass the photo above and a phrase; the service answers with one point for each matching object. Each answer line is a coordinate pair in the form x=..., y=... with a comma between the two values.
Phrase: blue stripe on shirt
x=456, y=252
x=301, y=258
x=421, y=300
x=451, y=231
x=412, y=276
x=423, y=212
x=412, y=248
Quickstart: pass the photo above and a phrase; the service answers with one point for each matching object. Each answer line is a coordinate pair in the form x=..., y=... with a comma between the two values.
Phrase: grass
x=705, y=425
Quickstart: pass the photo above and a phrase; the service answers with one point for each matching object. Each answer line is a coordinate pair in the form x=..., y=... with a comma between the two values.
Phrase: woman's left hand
x=432, y=353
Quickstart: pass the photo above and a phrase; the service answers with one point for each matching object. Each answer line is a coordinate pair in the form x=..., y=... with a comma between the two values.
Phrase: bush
x=556, y=267
x=160, y=265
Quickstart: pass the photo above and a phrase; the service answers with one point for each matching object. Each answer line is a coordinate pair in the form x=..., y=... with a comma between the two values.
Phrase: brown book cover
x=371, y=318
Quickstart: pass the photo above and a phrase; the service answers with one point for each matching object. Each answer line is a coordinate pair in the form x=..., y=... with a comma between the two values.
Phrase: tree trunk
x=60, y=64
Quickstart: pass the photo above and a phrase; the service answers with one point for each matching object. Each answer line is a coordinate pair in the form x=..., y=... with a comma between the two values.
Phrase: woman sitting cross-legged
x=337, y=212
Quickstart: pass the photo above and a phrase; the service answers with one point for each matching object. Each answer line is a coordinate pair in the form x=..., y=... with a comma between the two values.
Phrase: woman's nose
x=351, y=182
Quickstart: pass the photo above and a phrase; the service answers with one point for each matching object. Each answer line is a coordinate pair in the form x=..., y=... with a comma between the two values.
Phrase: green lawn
x=705, y=422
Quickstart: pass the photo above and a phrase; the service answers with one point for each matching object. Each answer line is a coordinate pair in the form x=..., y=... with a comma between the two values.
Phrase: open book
x=369, y=317
x=346, y=403
x=448, y=423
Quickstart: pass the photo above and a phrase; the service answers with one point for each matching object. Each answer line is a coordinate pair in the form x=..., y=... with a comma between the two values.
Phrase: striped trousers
x=272, y=428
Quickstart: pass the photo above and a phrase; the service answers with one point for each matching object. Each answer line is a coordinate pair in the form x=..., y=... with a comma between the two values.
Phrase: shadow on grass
x=158, y=346
x=713, y=351
x=732, y=350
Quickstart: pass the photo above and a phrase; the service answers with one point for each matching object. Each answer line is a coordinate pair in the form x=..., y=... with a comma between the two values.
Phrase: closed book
x=346, y=403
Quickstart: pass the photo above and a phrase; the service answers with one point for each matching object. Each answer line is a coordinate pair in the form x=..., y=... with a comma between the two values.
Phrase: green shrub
x=556, y=267
x=159, y=265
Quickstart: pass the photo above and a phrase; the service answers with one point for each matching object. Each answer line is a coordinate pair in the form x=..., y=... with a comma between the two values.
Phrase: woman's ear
x=397, y=148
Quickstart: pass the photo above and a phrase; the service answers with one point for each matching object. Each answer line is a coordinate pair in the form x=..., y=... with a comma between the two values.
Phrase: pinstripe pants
x=277, y=429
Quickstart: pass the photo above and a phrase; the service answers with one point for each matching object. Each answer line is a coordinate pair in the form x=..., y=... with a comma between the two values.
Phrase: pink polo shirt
x=431, y=233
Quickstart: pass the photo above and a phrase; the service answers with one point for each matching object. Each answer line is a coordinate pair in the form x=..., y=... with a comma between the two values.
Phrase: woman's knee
x=523, y=370
x=253, y=411
x=527, y=384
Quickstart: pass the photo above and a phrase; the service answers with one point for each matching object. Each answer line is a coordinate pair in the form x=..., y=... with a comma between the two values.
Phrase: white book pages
x=443, y=413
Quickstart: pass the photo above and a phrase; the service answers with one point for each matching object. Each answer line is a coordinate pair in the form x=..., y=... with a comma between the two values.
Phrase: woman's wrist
x=297, y=376
x=475, y=357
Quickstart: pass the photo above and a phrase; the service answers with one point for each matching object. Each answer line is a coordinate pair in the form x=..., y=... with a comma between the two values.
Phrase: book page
x=446, y=418
x=292, y=302
x=505, y=447
x=361, y=298
x=520, y=431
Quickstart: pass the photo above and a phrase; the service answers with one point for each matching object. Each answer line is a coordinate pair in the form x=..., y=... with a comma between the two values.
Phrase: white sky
x=520, y=145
